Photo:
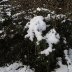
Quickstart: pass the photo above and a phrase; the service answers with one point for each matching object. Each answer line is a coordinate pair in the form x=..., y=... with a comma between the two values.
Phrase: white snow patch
x=2, y=20
x=60, y=16
x=60, y=8
x=48, y=17
x=63, y=68
x=17, y=14
x=36, y=26
x=70, y=54
x=38, y=9
x=16, y=67
x=64, y=41
x=1, y=31
x=63, y=21
x=52, y=37
x=67, y=57
x=8, y=13
x=4, y=0
x=68, y=67
x=46, y=51
x=52, y=16
x=68, y=60
x=42, y=9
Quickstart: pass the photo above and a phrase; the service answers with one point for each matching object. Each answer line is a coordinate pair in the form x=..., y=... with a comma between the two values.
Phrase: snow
x=69, y=63
x=52, y=16
x=42, y=9
x=47, y=51
x=60, y=8
x=38, y=9
x=36, y=26
x=16, y=67
x=70, y=54
x=68, y=67
x=60, y=16
x=5, y=5
x=52, y=37
x=53, y=12
x=2, y=20
x=63, y=68
x=67, y=57
x=48, y=17
x=63, y=21
x=4, y=0
x=8, y=13
x=17, y=14
x=3, y=36
x=1, y=31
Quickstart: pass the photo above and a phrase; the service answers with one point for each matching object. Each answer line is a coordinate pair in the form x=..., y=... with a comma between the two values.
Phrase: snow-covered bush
x=41, y=41
x=56, y=39
x=36, y=26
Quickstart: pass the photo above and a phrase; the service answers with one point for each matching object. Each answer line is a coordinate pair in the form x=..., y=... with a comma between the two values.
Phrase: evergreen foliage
x=14, y=47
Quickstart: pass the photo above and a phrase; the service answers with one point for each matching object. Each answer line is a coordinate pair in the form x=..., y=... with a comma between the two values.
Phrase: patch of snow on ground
x=16, y=67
